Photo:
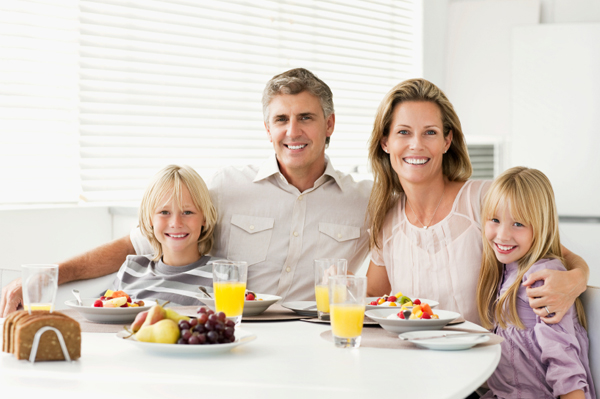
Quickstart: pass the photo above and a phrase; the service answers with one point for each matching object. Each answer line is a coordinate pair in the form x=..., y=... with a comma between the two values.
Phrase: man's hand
x=12, y=297
x=557, y=295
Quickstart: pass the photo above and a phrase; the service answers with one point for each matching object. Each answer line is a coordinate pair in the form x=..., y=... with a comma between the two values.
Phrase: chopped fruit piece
x=380, y=301
x=108, y=293
x=435, y=316
x=426, y=315
x=374, y=303
x=427, y=309
x=98, y=303
x=115, y=303
x=416, y=308
x=404, y=299
x=418, y=314
x=119, y=294
x=392, y=299
x=133, y=305
x=401, y=315
x=140, y=303
x=417, y=301
x=125, y=305
x=250, y=296
x=393, y=304
x=408, y=303
x=102, y=298
x=398, y=294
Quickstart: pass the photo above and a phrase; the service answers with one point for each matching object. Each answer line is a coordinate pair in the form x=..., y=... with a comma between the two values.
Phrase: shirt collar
x=270, y=168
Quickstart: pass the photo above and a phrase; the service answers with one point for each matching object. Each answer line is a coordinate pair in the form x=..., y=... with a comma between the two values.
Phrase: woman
x=425, y=213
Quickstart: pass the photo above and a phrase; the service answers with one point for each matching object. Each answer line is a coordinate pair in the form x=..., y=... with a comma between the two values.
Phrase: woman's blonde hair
x=169, y=181
x=530, y=200
x=456, y=165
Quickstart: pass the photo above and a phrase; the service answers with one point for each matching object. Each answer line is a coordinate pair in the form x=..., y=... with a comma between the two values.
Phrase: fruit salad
x=116, y=299
x=422, y=312
x=251, y=296
x=395, y=300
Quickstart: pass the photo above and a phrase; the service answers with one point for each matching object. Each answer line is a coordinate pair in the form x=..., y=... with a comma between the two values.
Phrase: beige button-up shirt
x=280, y=231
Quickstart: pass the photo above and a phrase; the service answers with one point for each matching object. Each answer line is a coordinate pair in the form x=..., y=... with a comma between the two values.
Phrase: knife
x=448, y=336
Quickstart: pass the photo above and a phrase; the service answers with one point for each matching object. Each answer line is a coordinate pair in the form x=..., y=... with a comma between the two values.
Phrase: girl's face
x=416, y=141
x=178, y=229
x=509, y=238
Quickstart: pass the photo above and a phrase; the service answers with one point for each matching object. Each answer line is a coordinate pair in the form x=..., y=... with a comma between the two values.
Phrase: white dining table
x=286, y=360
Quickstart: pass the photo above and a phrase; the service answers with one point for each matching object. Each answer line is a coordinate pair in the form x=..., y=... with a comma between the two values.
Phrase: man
x=278, y=216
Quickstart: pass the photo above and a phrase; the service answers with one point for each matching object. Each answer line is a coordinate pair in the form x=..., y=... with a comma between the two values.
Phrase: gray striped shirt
x=142, y=278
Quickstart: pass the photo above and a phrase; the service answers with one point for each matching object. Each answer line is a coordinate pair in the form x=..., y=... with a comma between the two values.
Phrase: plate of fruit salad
x=163, y=330
x=112, y=307
x=254, y=304
x=398, y=301
x=420, y=317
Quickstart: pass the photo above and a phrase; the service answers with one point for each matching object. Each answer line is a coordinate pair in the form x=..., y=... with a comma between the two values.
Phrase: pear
x=155, y=314
x=139, y=321
x=173, y=315
x=162, y=332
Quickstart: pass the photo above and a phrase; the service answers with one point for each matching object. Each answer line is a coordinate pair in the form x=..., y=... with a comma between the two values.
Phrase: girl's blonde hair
x=530, y=200
x=169, y=181
x=456, y=165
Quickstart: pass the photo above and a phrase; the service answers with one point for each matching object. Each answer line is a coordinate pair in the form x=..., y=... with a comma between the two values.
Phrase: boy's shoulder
x=142, y=260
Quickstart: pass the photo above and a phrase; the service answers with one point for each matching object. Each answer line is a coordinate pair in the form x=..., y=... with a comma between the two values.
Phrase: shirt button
x=339, y=235
x=251, y=227
x=300, y=198
x=295, y=234
x=288, y=270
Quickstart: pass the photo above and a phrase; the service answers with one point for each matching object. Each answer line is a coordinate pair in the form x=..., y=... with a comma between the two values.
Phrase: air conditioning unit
x=486, y=157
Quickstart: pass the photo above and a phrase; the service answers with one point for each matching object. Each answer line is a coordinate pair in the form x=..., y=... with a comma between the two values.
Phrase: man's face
x=298, y=129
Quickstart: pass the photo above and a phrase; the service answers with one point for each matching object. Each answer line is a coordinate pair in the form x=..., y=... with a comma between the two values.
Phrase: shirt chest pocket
x=249, y=238
x=337, y=240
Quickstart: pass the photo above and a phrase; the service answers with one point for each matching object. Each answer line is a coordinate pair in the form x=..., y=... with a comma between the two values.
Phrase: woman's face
x=416, y=142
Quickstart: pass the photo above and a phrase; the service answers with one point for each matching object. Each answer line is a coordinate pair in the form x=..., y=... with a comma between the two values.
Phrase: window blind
x=38, y=101
x=180, y=81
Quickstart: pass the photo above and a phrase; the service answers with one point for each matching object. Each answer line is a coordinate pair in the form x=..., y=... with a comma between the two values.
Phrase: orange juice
x=347, y=320
x=322, y=295
x=39, y=306
x=229, y=297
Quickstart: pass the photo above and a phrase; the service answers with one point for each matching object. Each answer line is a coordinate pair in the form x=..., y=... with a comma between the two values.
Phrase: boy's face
x=178, y=229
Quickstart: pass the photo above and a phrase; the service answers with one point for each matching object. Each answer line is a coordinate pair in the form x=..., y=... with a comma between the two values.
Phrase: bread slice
x=23, y=327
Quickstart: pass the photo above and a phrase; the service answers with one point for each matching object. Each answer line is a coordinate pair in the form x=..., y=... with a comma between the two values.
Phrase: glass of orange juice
x=40, y=283
x=347, y=309
x=229, y=286
x=325, y=268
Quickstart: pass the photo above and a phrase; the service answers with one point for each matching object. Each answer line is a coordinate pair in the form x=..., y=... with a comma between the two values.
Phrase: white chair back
x=591, y=303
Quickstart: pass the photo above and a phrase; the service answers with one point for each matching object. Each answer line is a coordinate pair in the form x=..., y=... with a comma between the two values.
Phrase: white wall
x=54, y=234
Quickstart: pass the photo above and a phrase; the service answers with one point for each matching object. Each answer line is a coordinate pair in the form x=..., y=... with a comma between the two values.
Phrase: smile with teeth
x=295, y=147
x=416, y=161
x=177, y=235
x=505, y=247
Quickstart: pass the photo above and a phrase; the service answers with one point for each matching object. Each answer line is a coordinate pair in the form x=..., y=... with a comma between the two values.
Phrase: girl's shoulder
x=469, y=199
x=552, y=264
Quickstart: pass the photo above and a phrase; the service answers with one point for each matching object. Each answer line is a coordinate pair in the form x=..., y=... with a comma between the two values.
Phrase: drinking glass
x=229, y=285
x=40, y=283
x=347, y=304
x=324, y=269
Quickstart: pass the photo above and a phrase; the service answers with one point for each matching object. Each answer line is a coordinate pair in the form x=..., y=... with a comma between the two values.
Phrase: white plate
x=241, y=337
x=251, y=308
x=443, y=344
x=303, y=308
x=107, y=315
x=398, y=326
x=431, y=303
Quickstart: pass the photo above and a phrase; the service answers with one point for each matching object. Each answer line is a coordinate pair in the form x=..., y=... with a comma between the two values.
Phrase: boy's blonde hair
x=169, y=181
x=456, y=165
x=530, y=200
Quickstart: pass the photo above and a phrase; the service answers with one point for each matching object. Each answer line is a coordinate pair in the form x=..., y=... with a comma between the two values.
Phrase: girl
x=520, y=236
x=178, y=218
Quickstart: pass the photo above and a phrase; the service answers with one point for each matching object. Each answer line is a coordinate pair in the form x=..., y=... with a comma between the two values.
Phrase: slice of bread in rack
x=21, y=328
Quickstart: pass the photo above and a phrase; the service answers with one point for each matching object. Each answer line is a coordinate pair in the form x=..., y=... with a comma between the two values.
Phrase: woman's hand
x=558, y=293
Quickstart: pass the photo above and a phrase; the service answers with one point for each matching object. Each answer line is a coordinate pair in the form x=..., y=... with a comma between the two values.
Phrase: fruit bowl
x=251, y=308
x=107, y=315
x=368, y=306
x=398, y=326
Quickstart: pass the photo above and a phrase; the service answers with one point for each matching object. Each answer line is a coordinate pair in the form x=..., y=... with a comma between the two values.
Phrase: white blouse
x=441, y=263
